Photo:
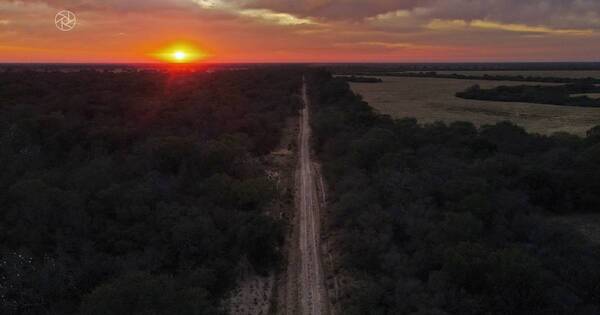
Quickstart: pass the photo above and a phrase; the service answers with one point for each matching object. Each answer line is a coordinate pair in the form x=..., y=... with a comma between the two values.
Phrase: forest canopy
x=493, y=77
x=455, y=219
x=556, y=95
x=136, y=192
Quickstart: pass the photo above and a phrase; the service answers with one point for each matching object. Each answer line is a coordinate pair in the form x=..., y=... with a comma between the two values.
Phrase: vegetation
x=360, y=79
x=430, y=100
x=451, y=219
x=387, y=68
x=556, y=95
x=495, y=77
x=136, y=192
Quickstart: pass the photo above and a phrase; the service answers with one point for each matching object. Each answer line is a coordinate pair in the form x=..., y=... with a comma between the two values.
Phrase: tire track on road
x=313, y=294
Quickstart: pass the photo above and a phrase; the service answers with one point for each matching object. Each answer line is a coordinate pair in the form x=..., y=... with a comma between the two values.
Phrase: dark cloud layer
x=337, y=9
x=112, y=5
x=559, y=13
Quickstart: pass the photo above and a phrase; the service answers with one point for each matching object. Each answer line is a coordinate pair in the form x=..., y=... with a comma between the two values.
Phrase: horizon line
x=294, y=62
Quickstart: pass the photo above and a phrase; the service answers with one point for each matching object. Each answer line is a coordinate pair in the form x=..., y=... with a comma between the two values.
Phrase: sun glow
x=180, y=53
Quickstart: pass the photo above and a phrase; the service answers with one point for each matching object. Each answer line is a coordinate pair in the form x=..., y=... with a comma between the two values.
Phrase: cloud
x=388, y=45
x=554, y=14
x=335, y=9
x=265, y=15
x=275, y=17
x=320, y=29
x=521, y=28
x=115, y=5
x=439, y=24
x=551, y=14
x=234, y=7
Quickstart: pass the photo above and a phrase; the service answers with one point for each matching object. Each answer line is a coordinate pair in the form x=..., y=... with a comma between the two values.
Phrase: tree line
x=357, y=79
x=556, y=95
x=493, y=77
x=137, y=192
x=454, y=219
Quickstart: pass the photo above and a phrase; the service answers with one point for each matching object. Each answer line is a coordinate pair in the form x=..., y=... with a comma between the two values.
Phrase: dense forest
x=141, y=192
x=398, y=68
x=454, y=219
x=555, y=95
x=492, y=77
x=356, y=79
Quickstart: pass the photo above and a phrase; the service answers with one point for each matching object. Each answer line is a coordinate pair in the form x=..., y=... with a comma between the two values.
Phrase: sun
x=181, y=53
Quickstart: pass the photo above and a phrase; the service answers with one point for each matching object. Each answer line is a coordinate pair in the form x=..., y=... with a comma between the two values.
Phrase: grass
x=432, y=99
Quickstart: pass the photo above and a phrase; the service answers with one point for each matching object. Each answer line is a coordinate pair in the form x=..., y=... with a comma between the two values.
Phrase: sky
x=303, y=30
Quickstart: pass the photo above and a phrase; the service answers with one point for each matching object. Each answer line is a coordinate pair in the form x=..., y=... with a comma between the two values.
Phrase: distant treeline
x=360, y=79
x=489, y=77
x=379, y=68
x=453, y=219
x=139, y=192
x=555, y=95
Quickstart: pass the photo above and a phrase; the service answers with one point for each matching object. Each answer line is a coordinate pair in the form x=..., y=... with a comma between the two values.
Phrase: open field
x=432, y=99
x=534, y=73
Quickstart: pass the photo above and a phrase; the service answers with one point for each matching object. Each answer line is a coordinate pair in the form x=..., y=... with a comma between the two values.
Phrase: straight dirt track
x=312, y=295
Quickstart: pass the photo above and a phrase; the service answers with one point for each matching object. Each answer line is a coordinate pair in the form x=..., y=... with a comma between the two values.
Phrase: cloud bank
x=311, y=30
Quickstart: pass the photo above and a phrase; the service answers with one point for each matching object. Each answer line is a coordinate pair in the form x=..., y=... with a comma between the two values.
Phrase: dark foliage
x=494, y=77
x=400, y=69
x=137, y=192
x=555, y=95
x=360, y=79
x=452, y=219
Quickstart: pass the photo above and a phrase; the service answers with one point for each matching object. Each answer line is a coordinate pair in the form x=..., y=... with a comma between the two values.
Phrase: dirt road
x=312, y=291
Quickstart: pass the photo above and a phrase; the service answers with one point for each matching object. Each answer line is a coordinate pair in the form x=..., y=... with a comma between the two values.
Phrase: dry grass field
x=534, y=73
x=432, y=99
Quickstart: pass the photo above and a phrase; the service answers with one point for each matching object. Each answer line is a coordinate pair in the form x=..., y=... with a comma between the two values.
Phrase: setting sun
x=180, y=53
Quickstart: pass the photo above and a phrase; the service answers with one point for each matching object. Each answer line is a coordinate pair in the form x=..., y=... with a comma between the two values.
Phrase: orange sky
x=303, y=30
